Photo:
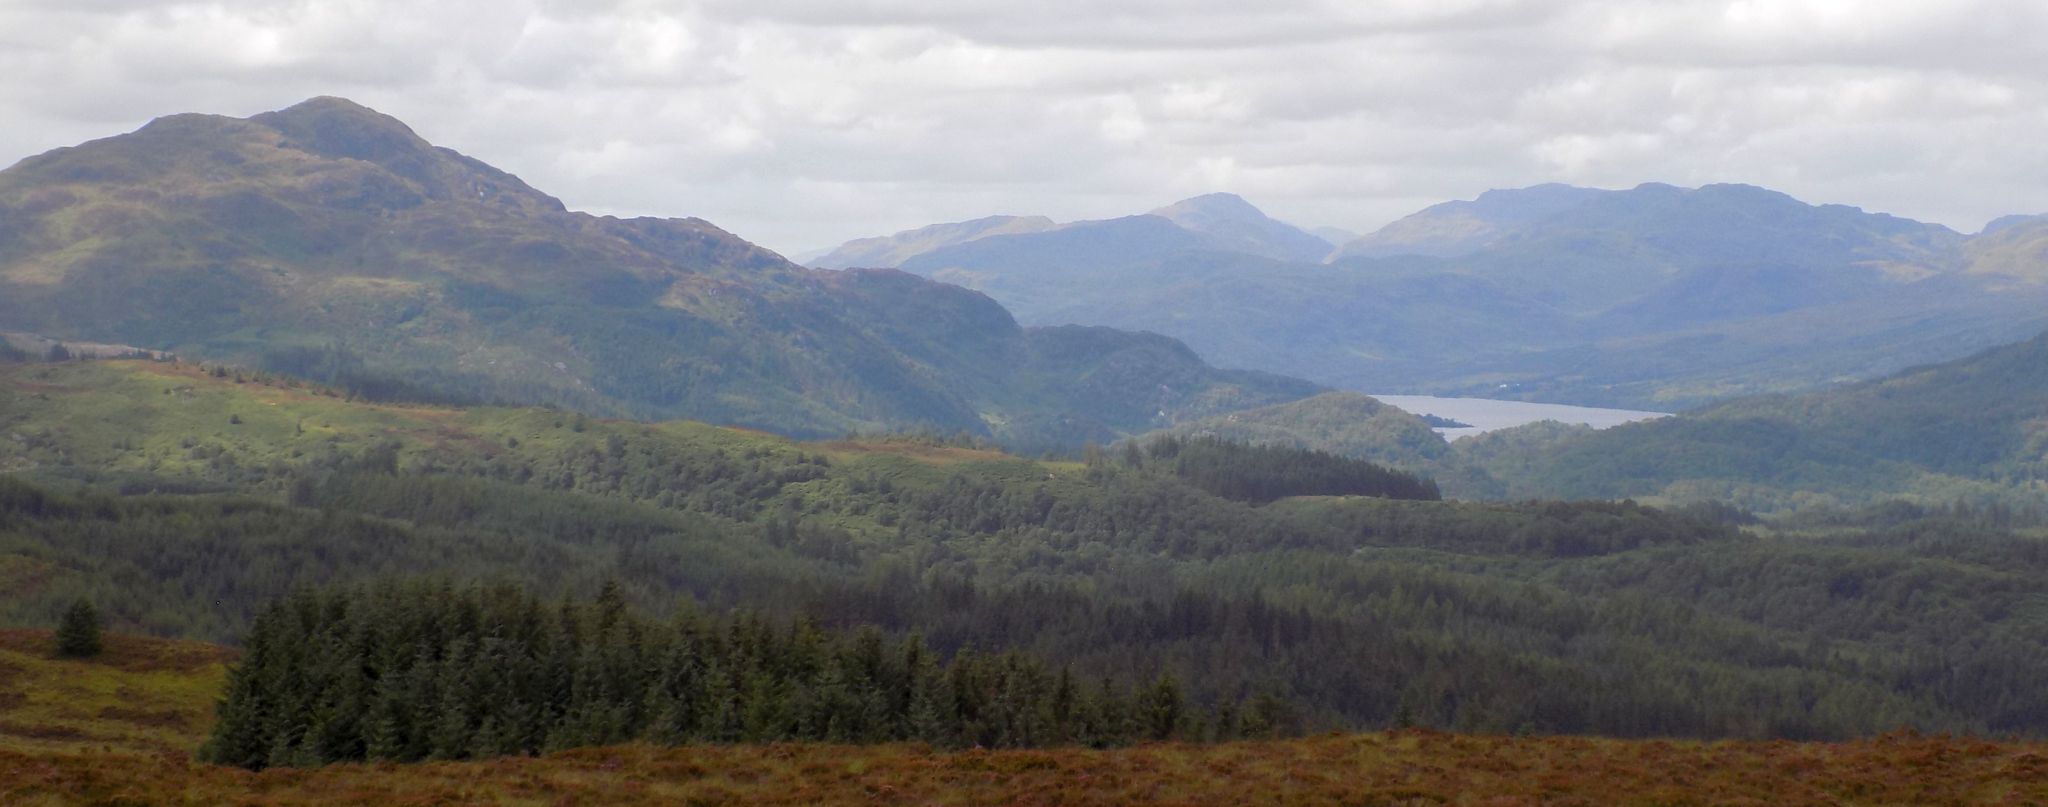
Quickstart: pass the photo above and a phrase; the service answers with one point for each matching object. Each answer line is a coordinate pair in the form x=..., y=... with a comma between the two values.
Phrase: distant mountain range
x=1655, y=297
x=331, y=241
x=1216, y=221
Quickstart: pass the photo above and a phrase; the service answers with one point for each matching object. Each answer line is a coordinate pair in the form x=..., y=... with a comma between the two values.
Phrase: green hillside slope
x=329, y=241
x=1975, y=429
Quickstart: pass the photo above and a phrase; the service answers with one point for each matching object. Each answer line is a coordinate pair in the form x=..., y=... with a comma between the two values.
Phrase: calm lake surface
x=1486, y=414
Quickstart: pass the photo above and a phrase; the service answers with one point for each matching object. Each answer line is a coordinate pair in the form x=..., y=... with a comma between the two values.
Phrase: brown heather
x=1372, y=769
x=60, y=745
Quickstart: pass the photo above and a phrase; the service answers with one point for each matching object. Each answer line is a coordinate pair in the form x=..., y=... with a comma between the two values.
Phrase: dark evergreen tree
x=417, y=672
x=1164, y=708
x=78, y=634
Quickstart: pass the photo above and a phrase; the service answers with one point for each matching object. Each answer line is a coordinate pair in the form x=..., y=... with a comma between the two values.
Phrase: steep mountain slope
x=891, y=251
x=1975, y=428
x=1234, y=225
x=331, y=241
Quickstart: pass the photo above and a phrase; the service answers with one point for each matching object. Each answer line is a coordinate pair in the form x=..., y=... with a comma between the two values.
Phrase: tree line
x=416, y=671
x=1258, y=474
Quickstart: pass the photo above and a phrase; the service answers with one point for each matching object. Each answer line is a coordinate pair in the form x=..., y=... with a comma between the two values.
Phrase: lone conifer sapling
x=78, y=635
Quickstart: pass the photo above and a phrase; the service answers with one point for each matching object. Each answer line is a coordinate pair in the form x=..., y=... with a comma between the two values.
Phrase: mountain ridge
x=1222, y=221
x=1459, y=227
x=891, y=251
x=331, y=240
x=1655, y=297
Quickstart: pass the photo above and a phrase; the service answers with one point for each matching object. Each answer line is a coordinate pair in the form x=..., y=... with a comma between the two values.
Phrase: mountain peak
x=1451, y=229
x=338, y=127
x=2008, y=222
x=1229, y=204
x=330, y=104
x=1235, y=224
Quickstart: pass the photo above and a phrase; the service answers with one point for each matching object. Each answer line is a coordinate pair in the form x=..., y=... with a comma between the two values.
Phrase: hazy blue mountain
x=1234, y=225
x=1655, y=297
x=1616, y=247
x=1218, y=221
x=331, y=241
x=1086, y=245
x=891, y=251
x=1462, y=227
x=1394, y=320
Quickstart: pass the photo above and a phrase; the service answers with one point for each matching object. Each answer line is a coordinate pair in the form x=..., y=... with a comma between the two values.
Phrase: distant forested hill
x=1352, y=425
x=331, y=242
x=1975, y=429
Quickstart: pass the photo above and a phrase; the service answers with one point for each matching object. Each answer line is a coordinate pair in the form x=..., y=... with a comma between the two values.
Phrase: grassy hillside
x=1974, y=429
x=332, y=242
x=94, y=749
x=140, y=696
x=1546, y=617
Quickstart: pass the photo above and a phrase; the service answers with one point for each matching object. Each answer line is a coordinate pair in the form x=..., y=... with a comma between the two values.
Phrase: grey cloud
x=801, y=123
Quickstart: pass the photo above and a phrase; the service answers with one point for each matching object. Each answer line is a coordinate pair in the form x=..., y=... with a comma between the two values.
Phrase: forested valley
x=1330, y=593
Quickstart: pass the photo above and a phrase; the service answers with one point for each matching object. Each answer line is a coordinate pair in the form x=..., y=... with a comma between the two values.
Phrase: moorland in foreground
x=120, y=729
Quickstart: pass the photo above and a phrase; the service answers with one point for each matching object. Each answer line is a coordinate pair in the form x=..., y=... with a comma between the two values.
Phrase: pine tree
x=384, y=731
x=78, y=635
x=1164, y=708
x=930, y=718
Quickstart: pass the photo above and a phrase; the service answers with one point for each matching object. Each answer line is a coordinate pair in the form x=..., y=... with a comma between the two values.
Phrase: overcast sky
x=803, y=123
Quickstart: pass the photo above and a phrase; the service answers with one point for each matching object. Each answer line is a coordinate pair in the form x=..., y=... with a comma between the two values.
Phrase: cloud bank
x=802, y=123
